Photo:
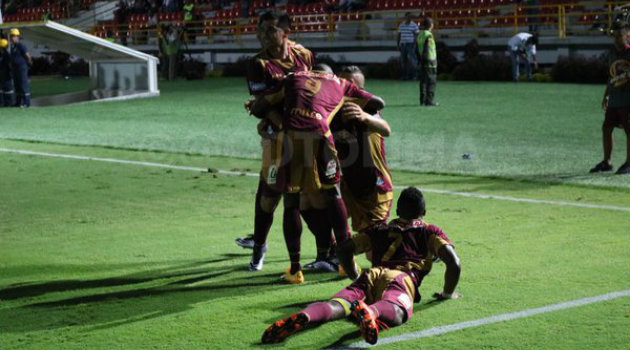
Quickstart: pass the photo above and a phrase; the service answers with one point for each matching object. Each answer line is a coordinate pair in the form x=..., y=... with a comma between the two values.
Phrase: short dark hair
x=427, y=22
x=532, y=40
x=323, y=67
x=410, y=204
x=283, y=18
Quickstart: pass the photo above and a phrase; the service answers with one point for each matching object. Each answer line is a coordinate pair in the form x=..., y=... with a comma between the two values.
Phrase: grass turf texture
x=100, y=255
x=545, y=132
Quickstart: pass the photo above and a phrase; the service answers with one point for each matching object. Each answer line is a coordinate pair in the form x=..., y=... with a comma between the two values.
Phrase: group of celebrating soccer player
x=324, y=154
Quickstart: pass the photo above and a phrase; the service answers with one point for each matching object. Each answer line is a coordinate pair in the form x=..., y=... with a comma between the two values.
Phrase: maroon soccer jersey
x=361, y=153
x=410, y=246
x=311, y=100
x=265, y=73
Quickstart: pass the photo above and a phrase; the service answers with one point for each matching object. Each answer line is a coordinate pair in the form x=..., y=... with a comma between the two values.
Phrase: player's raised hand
x=445, y=296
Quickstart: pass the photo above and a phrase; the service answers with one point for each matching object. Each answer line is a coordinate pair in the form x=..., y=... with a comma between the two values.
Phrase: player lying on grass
x=309, y=164
x=403, y=252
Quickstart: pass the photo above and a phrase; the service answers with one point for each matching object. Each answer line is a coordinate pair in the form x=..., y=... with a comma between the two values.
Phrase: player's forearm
x=345, y=253
x=453, y=268
x=451, y=278
x=378, y=125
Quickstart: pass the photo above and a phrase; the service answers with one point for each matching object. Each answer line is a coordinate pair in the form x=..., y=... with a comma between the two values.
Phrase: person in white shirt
x=406, y=40
x=522, y=48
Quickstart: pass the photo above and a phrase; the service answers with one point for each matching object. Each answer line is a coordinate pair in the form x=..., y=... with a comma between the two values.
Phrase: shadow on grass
x=146, y=295
x=24, y=290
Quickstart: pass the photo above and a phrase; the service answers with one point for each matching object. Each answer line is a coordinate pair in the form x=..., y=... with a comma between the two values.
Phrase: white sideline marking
x=228, y=172
x=492, y=319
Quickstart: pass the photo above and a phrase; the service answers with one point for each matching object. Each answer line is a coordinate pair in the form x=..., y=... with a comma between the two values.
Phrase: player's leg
x=292, y=229
x=607, y=136
x=607, y=141
x=318, y=223
x=625, y=123
x=336, y=308
x=337, y=213
x=267, y=197
x=315, y=313
x=393, y=308
x=266, y=202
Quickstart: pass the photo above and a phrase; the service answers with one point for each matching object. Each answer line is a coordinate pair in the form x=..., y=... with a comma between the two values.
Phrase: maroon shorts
x=380, y=283
x=617, y=117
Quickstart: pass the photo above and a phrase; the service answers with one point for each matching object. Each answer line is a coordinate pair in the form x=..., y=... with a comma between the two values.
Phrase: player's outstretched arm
x=451, y=276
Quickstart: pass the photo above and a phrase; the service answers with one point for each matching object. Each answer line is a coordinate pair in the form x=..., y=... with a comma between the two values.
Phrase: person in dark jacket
x=21, y=60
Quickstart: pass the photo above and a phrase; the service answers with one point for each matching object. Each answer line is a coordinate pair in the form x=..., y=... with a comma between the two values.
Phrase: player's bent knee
x=400, y=318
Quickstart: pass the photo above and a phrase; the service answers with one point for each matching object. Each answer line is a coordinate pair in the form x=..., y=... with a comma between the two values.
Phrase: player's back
x=312, y=98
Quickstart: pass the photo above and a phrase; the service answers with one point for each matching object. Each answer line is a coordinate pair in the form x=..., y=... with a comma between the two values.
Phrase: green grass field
x=102, y=255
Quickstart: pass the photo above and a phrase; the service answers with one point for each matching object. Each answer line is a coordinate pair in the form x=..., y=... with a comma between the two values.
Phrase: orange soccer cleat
x=285, y=327
x=366, y=318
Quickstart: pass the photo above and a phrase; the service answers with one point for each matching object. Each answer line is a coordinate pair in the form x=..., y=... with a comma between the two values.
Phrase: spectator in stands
x=9, y=7
x=140, y=6
x=21, y=60
x=406, y=41
x=6, y=82
x=122, y=12
x=170, y=45
x=522, y=48
x=533, y=6
x=427, y=56
x=170, y=6
x=1, y=6
x=616, y=100
x=351, y=5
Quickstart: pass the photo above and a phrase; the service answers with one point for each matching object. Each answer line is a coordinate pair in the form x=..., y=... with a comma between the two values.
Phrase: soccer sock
x=292, y=229
x=338, y=215
x=317, y=221
x=262, y=219
x=319, y=312
x=385, y=311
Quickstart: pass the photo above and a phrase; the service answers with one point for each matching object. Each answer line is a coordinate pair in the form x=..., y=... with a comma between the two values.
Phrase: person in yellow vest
x=189, y=16
x=189, y=8
x=427, y=58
